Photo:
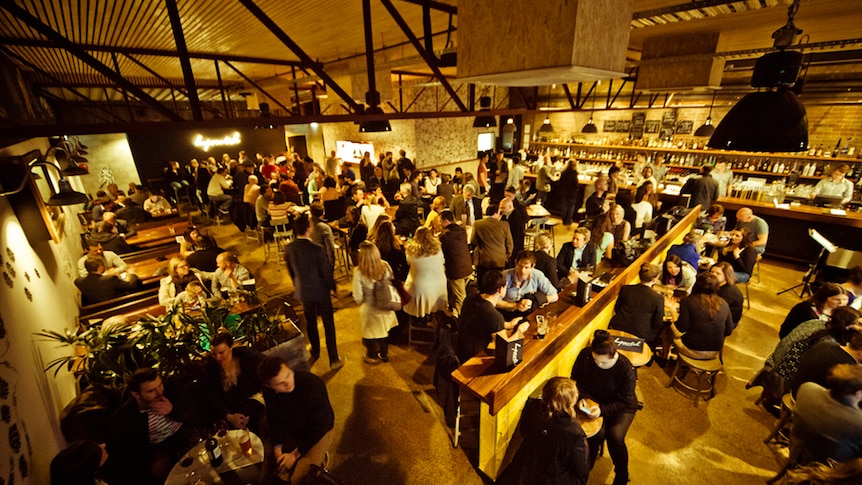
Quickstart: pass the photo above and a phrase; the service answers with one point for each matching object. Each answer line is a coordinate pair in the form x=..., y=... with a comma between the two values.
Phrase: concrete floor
x=390, y=429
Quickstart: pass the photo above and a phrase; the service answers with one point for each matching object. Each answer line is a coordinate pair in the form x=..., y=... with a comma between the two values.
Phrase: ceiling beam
x=148, y=52
x=305, y=59
x=434, y=5
x=171, y=85
x=428, y=57
x=185, y=63
x=683, y=7
x=48, y=75
x=251, y=81
x=76, y=51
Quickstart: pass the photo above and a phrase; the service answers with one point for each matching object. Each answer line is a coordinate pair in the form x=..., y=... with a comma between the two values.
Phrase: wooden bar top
x=799, y=212
x=158, y=235
x=496, y=388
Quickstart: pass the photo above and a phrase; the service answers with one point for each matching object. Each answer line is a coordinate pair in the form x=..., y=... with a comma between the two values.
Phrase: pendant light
x=591, y=127
x=707, y=129
x=773, y=120
x=510, y=127
x=547, y=127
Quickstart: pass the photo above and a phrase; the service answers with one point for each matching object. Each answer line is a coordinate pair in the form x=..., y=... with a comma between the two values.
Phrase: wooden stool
x=787, y=406
x=705, y=370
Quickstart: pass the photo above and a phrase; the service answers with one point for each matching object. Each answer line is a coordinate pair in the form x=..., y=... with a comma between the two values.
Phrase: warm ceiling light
x=773, y=120
x=66, y=195
x=509, y=127
x=546, y=127
x=590, y=127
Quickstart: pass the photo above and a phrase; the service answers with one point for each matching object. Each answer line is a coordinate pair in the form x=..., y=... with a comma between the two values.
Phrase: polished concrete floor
x=390, y=428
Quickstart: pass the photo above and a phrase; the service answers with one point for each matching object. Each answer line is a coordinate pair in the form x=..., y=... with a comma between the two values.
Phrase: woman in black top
x=391, y=250
x=704, y=320
x=608, y=378
x=827, y=298
x=232, y=382
x=740, y=254
x=728, y=290
x=554, y=450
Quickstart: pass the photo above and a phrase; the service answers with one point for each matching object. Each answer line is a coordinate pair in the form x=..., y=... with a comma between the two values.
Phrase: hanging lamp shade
x=706, y=129
x=546, y=127
x=590, y=127
x=766, y=121
x=509, y=127
x=66, y=195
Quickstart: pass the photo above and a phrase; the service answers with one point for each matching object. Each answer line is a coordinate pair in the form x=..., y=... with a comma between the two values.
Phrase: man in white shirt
x=836, y=185
x=215, y=190
x=230, y=275
x=113, y=264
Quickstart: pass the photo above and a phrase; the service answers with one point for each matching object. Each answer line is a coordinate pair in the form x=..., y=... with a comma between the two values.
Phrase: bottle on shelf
x=819, y=152
x=846, y=150
x=837, y=149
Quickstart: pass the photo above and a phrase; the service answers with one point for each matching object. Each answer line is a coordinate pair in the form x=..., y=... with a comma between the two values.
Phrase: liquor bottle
x=214, y=452
x=846, y=150
x=819, y=152
x=837, y=149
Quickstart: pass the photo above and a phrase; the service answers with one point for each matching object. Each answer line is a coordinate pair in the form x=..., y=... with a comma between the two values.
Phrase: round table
x=590, y=425
x=235, y=462
x=637, y=358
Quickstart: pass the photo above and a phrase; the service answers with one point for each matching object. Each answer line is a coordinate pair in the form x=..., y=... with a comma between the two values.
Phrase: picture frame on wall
x=609, y=125
x=651, y=126
x=684, y=127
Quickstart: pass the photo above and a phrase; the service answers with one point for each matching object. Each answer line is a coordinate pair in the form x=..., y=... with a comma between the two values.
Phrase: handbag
x=404, y=294
x=386, y=296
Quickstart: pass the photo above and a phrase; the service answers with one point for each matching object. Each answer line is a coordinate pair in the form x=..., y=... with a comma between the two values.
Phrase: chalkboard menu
x=637, y=130
x=668, y=125
x=652, y=126
x=623, y=126
x=684, y=127
x=609, y=125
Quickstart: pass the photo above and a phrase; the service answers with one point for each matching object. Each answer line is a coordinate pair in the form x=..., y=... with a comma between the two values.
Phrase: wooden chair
x=787, y=406
x=704, y=370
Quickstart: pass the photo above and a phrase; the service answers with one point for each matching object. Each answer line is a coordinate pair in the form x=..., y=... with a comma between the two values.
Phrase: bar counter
x=788, y=228
x=502, y=394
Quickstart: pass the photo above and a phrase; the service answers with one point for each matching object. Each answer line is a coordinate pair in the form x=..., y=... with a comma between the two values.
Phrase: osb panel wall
x=110, y=162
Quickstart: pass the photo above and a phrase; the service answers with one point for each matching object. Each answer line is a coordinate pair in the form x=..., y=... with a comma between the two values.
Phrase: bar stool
x=786, y=414
x=705, y=370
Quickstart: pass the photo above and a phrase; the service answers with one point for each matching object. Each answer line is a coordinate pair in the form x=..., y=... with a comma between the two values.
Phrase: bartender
x=836, y=185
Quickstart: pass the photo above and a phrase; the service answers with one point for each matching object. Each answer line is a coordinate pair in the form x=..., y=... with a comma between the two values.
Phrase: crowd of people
x=427, y=235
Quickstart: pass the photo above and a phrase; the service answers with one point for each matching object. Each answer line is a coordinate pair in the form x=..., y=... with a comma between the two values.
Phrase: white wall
x=34, y=398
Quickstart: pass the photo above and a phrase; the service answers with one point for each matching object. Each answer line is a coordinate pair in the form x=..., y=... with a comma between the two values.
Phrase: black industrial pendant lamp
x=773, y=120
x=706, y=129
x=591, y=127
x=484, y=121
x=547, y=127
x=65, y=194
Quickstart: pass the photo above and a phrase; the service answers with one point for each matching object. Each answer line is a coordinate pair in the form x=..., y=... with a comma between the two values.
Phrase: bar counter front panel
x=502, y=395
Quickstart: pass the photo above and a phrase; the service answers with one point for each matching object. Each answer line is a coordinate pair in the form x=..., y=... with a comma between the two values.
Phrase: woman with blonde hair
x=426, y=282
x=438, y=205
x=555, y=446
x=179, y=276
x=374, y=323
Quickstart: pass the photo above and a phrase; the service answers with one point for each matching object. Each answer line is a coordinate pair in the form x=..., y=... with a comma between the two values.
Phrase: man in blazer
x=639, y=309
x=459, y=263
x=492, y=242
x=703, y=189
x=311, y=273
x=462, y=205
x=98, y=287
x=575, y=256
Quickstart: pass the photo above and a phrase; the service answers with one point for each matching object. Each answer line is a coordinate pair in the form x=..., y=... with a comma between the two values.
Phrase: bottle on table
x=214, y=452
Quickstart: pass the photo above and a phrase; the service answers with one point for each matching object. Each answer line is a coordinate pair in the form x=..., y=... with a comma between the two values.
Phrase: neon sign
x=206, y=143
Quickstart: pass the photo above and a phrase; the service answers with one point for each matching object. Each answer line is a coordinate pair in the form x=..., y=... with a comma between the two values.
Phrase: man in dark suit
x=97, y=287
x=639, y=309
x=459, y=263
x=311, y=272
x=575, y=256
x=466, y=207
x=121, y=226
x=703, y=189
x=515, y=214
x=492, y=241
x=108, y=236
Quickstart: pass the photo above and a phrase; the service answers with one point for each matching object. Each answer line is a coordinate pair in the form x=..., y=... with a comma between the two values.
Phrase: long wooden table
x=157, y=236
x=502, y=394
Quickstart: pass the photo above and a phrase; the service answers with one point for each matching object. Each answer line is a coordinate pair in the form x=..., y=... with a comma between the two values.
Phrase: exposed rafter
x=65, y=43
x=305, y=59
x=182, y=50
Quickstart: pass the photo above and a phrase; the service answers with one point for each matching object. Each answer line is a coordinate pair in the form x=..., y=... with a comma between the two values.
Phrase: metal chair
x=282, y=235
